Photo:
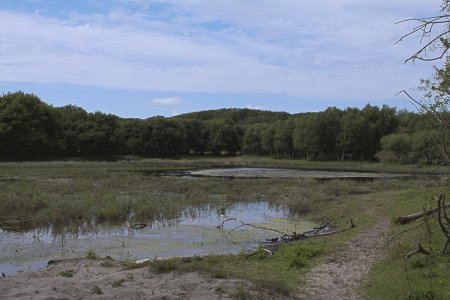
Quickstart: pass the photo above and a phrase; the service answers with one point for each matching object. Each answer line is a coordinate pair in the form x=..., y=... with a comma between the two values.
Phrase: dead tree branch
x=409, y=229
x=441, y=203
x=248, y=224
x=442, y=219
x=315, y=232
x=436, y=41
x=412, y=217
x=418, y=249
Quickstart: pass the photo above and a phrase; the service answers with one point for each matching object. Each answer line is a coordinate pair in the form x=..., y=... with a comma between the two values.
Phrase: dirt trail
x=341, y=275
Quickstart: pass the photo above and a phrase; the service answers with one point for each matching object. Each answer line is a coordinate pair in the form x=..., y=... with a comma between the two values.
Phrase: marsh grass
x=70, y=195
x=65, y=196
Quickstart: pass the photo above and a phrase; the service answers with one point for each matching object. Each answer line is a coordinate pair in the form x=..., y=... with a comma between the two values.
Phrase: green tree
x=194, y=136
x=224, y=136
x=252, y=142
x=268, y=138
x=396, y=147
x=28, y=126
x=72, y=122
x=99, y=135
x=353, y=127
x=306, y=136
x=283, y=143
x=424, y=145
x=130, y=134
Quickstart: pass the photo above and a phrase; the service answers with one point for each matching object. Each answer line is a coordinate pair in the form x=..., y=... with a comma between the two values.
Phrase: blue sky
x=140, y=58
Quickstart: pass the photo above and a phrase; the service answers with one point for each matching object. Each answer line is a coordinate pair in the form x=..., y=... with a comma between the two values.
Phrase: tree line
x=33, y=129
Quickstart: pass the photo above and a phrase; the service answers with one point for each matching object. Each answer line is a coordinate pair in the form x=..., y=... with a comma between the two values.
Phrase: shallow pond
x=31, y=250
x=289, y=173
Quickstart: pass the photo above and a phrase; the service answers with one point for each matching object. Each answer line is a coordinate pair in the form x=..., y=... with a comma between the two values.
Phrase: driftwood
x=271, y=245
x=316, y=231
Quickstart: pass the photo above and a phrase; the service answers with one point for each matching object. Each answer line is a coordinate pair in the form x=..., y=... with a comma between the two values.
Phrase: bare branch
x=248, y=224
x=426, y=28
x=445, y=210
x=418, y=249
x=440, y=208
x=418, y=53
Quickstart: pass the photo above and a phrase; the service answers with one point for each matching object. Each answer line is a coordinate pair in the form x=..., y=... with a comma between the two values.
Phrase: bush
x=395, y=148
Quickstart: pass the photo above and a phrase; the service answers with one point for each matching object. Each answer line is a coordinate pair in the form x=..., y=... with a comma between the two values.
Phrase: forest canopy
x=33, y=129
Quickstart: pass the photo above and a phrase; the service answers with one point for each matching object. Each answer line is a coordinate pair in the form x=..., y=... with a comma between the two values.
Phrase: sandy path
x=94, y=279
x=341, y=275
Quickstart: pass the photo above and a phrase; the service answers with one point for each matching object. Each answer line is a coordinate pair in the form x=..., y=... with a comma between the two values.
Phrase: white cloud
x=167, y=101
x=318, y=49
x=259, y=107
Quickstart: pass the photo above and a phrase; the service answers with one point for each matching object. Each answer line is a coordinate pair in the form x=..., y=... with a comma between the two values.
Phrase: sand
x=340, y=277
x=108, y=279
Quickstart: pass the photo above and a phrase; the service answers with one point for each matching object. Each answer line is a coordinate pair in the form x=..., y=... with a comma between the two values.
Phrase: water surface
x=31, y=250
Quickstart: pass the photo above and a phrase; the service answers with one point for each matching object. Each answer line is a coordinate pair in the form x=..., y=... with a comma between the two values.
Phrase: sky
x=141, y=58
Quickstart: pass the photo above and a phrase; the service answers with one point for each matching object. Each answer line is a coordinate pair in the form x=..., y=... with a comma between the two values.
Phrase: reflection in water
x=23, y=251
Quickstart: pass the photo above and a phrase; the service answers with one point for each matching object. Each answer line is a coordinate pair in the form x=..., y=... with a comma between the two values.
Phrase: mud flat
x=291, y=173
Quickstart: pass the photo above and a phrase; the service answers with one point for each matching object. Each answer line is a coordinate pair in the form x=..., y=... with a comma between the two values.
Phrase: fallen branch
x=138, y=225
x=418, y=249
x=441, y=206
x=248, y=224
x=412, y=228
x=315, y=232
x=412, y=217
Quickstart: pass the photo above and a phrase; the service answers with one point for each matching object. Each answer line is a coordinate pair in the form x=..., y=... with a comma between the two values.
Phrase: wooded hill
x=239, y=116
x=32, y=129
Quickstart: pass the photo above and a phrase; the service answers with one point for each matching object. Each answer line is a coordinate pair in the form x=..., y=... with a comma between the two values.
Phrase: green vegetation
x=240, y=294
x=32, y=129
x=96, y=291
x=73, y=194
x=118, y=283
x=420, y=276
x=91, y=254
x=68, y=273
x=69, y=195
